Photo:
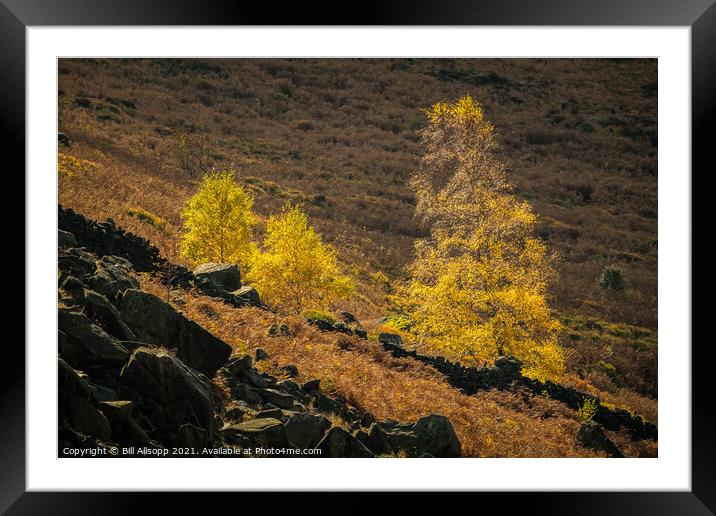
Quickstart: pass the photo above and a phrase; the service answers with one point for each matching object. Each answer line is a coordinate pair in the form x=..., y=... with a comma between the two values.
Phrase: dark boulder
x=510, y=366
x=266, y=432
x=311, y=386
x=348, y=317
x=248, y=294
x=110, y=279
x=306, y=430
x=157, y=322
x=339, y=443
x=68, y=380
x=261, y=354
x=277, y=398
x=83, y=417
x=65, y=239
x=433, y=434
x=99, y=309
x=117, y=412
x=276, y=330
x=239, y=364
x=86, y=343
x=159, y=376
x=591, y=435
x=437, y=436
x=289, y=370
x=224, y=275
x=191, y=436
x=391, y=339
x=77, y=262
x=377, y=441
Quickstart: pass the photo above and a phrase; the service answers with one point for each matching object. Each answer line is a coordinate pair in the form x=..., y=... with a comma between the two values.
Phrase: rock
x=191, y=436
x=65, y=239
x=377, y=441
x=223, y=275
x=151, y=319
x=201, y=350
x=239, y=364
x=290, y=370
x=360, y=435
x=235, y=412
x=83, y=416
x=111, y=279
x=261, y=354
x=279, y=329
x=233, y=437
x=323, y=403
x=401, y=437
x=102, y=393
x=391, y=339
x=321, y=324
x=277, y=398
x=348, y=317
x=117, y=412
x=157, y=375
x=340, y=327
x=63, y=139
x=306, y=430
x=591, y=435
x=157, y=322
x=510, y=366
x=275, y=413
x=339, y=443
x=437, y=436
x=290, y=387
x=361, y=333
x=86, y=343
x=249, y=294
x=246, y=393
x=433, y=434
x=99, y=309
x=252, y=377
x=76, y=261
x=69, y=381
x=367, y=419
x=311, y=386
x=266, y=432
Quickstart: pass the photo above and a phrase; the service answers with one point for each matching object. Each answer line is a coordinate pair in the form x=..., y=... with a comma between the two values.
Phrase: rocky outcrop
x=85, y=344
x=156, y=322
x=108, y=239
x=134, y=372
x=225, y=276
x=507, y=371
x=158, y=376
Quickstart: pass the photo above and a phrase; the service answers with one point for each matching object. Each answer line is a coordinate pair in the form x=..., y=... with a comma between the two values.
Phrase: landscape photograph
x=357, y=258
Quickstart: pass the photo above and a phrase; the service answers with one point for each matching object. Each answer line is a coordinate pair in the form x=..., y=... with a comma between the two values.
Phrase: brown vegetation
x=489, y=424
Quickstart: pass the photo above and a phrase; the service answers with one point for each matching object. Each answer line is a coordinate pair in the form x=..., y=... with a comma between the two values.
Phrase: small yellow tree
x=296, y=271
x=217, y=222
x=478, y=285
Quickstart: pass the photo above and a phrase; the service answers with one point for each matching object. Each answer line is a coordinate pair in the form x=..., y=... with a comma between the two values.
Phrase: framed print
x=444, y=249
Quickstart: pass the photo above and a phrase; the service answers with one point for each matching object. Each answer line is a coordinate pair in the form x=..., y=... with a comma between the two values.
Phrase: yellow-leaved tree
x=295, y=271
x=218, y=221
x=478, y=285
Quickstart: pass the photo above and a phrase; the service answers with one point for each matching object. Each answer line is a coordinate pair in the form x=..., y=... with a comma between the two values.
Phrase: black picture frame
x=17, y=15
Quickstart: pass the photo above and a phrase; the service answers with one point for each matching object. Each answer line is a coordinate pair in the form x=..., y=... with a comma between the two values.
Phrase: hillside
x=341, y=136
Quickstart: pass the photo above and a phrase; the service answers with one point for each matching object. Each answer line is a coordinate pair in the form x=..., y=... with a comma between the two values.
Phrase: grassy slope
x=341, y=136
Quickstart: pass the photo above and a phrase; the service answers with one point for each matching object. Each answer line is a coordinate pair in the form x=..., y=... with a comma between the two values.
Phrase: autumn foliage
x=217, y=222
x=295, y=270
x=478, y=284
